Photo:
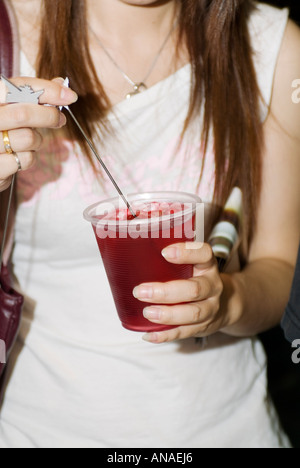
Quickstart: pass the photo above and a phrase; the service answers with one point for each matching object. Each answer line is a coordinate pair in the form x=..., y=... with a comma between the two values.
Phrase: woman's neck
x=122, y=21
x=134, y=36
x=28, y=15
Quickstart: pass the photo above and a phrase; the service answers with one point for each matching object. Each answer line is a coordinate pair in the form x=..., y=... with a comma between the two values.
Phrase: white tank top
x=79, y=378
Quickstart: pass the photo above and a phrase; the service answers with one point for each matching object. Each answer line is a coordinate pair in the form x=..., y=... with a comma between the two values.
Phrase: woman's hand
x=199, y=312
x=22, y=122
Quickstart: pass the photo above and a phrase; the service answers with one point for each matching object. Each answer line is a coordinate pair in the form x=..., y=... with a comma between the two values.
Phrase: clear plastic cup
x=131, y=248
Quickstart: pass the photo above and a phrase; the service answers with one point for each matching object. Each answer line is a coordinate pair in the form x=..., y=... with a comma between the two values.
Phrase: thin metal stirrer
x=27, y=94
x=92, y=147
x=101, y=161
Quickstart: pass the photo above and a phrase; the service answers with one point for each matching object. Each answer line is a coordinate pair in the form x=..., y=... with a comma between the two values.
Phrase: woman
x=222, y=72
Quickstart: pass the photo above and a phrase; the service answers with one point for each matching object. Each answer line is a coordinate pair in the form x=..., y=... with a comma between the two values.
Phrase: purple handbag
x=11, y=302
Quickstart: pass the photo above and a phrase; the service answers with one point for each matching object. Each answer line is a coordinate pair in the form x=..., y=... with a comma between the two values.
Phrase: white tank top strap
x=267, y=27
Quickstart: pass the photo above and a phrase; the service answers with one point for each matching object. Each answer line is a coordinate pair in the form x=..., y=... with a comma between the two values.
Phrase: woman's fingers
x=9, y=165
x=23, y=115
x=178, y=333
x=173, y=292
x=14, y=116
x=202, y=286
x=193, y=313
x=4, y=184
x=24, y=142
x=23, y=139
x=21, y=120
x=190, y=253
x=192, y=306
x=55, y=93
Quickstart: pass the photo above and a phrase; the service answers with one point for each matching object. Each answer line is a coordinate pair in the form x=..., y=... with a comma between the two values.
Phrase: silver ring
x=17, y=161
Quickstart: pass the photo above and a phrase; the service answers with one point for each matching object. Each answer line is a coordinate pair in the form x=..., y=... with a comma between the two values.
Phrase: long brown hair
x=223, y=79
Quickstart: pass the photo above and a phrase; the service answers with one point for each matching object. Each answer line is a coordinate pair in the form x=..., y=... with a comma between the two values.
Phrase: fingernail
x=143, y=292
x=68, y=95
x=62, y=120
x=171, y=253
x=152, y=313
x=59, y=80
x=151, y=337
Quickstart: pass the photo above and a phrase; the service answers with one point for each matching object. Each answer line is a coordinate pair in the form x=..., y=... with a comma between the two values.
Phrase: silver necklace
x=137, y=87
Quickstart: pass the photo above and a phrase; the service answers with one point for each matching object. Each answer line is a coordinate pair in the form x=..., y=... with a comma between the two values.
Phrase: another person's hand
x=22, y=122
x=198, y=313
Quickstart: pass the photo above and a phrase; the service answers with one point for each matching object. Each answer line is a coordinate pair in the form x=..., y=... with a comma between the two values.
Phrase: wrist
x=231, y=303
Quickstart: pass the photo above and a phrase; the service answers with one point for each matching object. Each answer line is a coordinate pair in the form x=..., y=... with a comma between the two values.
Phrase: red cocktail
x=131, y=247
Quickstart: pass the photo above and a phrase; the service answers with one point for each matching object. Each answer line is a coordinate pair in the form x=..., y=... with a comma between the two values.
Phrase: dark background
x=284, y=376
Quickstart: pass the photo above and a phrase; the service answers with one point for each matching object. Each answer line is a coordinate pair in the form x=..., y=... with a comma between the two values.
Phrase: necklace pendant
x=137, y=89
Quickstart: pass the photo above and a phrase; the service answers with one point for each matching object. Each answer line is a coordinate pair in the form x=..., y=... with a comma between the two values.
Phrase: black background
x=284, y=376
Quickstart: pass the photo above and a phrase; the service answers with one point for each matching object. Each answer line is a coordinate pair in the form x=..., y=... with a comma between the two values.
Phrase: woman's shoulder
x=264, y=15
x=291, y=42
x=267, y=26
x=271, y=30
x=286, y=90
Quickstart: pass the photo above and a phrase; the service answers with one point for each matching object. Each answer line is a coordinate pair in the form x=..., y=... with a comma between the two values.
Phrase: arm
x=260, y=293
x=253, y=300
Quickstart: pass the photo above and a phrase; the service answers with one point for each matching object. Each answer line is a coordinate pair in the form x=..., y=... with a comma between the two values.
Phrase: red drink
x=131, y=251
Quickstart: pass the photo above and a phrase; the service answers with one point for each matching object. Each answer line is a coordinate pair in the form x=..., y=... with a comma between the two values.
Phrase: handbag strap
x=9, y=63
x=9, y=40
x=2, y=256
